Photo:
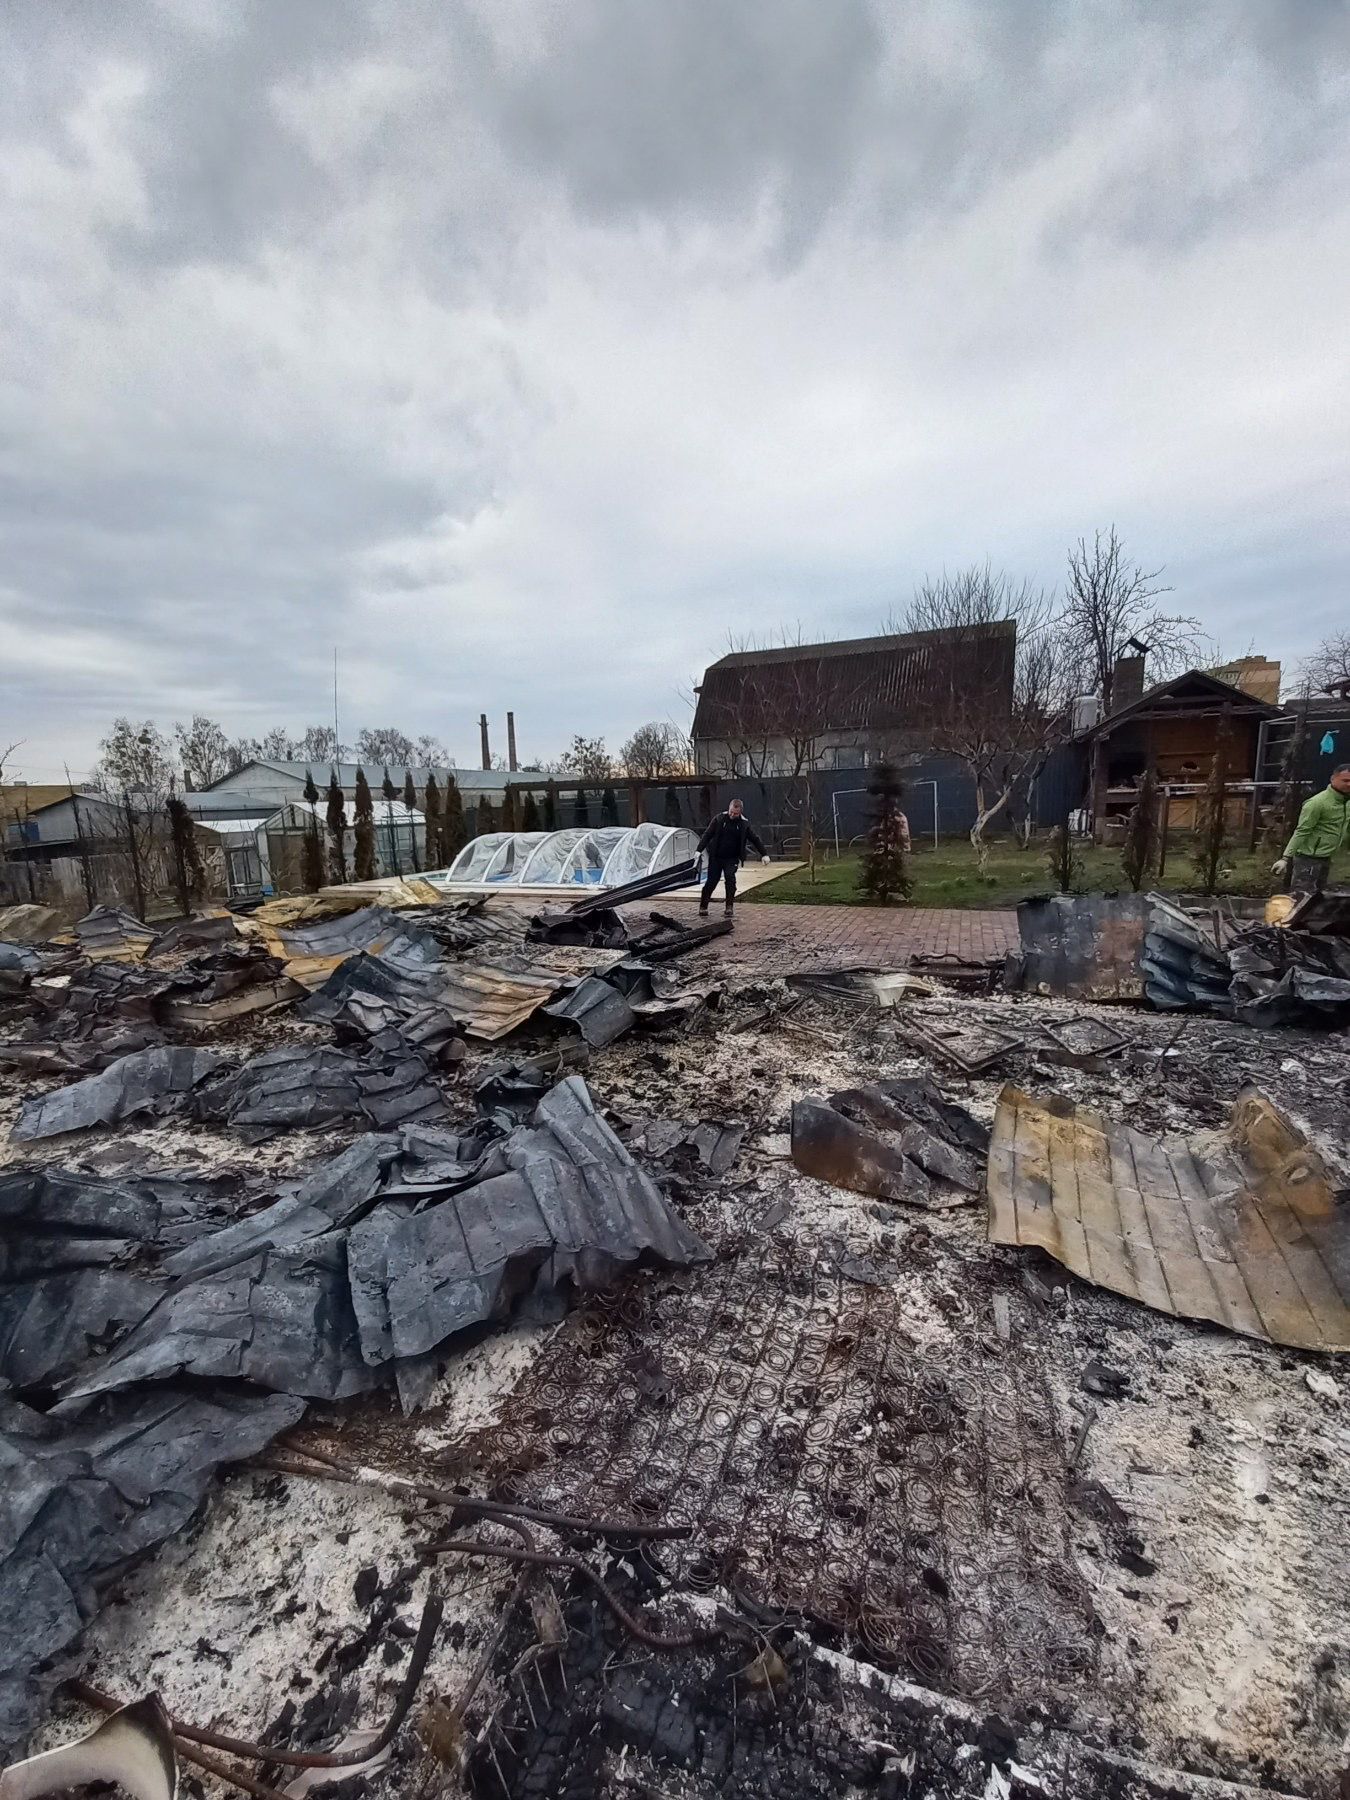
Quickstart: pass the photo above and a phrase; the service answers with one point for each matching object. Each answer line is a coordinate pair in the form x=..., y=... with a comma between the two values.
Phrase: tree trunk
x=983, y=814
x=137, y=878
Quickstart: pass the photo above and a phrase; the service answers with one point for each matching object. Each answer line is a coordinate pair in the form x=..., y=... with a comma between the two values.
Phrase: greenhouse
x=604, y=856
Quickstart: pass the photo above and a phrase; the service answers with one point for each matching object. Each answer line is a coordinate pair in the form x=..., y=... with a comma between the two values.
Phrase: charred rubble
x=838, y=1298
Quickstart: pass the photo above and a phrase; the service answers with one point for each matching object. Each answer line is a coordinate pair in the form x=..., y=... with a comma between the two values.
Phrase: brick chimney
x=482, y=731
x=511, y=762
x=1127, y=683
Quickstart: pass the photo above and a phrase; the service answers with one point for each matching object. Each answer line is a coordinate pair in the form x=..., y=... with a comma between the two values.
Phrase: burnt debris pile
x=738, y=1351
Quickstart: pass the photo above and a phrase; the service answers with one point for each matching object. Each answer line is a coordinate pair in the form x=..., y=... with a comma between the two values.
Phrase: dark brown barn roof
x=860, y=684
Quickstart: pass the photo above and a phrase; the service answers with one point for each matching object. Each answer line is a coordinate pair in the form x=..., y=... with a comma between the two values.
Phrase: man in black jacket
x=725, y=841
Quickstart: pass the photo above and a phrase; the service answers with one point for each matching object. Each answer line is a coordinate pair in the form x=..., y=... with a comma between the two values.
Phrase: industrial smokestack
x=482, y=727
x=511, y=762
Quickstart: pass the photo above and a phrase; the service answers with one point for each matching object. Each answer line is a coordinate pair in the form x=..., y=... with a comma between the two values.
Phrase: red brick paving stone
x=778, y=939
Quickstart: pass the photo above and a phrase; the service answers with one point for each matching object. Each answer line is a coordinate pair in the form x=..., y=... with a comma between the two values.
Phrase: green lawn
x=948, y=876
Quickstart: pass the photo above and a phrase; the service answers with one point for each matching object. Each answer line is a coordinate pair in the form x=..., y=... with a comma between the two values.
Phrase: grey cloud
x=483, y=337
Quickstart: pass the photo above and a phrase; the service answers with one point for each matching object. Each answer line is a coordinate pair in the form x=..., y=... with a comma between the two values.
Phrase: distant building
x=853, y=700
x=19, y=800
x=49, y=830
x=1174, y=727
x=1254, y=675
x=259, y=788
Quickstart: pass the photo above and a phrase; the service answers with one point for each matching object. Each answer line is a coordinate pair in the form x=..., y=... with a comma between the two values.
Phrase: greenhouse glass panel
x=473, y=859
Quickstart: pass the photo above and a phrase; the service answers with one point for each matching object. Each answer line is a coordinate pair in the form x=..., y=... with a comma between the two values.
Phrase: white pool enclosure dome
x=607, y=856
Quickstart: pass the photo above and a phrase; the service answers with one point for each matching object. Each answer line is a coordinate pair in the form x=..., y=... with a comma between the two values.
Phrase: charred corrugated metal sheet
x=1247, y=1234
x=320, y=1293
x=159, y=1080
x=29, y=924
x=1125, y=947
x=1284, y=977
x=1184, y=963
x=113, y=932
x=488, y=1002
x=1080, y=947
x=598, y=1011
x=90, y=1495
x=901, y=1140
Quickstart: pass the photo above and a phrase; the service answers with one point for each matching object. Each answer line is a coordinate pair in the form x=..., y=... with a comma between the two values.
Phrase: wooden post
x=137, y=878
x=1253, y=821
x=1166, y=805
x=86, y=867
x=1098, y=787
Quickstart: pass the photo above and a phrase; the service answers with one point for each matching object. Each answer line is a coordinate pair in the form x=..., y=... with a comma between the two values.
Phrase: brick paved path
x=796, y=937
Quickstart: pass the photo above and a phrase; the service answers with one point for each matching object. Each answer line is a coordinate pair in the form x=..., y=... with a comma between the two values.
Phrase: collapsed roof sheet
x=394, y=894
x=311, y=953
x=1080, y=946
x=1286, y=977
x=489, y=1002
x=29, y=924
x=114, y=932
x=81, y=1496
x=300, y=1086
x=1246, y=1234
x=156, y=1080
x=894, y=1139
x=572, y=1209
x=315, y=1295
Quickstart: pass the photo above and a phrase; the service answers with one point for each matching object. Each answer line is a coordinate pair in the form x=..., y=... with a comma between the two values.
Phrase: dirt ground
x=875, y=1423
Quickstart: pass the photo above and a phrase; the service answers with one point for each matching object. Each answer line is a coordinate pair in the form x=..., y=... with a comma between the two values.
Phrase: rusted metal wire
x=502, y=1510
x=687, y=1640
x=104, y=1703
x=829, y=1466
x=319, y=1759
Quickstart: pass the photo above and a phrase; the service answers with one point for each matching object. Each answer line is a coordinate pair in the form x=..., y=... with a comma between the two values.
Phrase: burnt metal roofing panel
x=1080, y=946
x=1248, y=1235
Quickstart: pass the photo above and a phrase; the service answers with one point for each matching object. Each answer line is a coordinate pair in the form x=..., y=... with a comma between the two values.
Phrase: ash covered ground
x=954, y=1567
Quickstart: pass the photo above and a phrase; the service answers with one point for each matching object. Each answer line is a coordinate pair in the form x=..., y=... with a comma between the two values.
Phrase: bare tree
x=1109, y=607
x=385, y=744
x=135, y=772
x=1283, y=814
x=788, y=701
x=656, y=750
x=431, y=752
x=791, y=704
x=203, y=751
x=133, y=759
x=7, y=752
x=82, y=840
x=1329, y=664
x=586, y=757
x=996, y=690
x=319, y=745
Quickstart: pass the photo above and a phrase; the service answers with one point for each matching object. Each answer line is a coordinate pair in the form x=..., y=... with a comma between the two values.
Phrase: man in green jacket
x=1323, y=826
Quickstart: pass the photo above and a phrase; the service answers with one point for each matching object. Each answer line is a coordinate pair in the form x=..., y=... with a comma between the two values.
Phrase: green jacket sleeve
x=1321, y=826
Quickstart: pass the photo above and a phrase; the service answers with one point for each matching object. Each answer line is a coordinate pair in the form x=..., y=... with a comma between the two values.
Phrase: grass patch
x=948, y=877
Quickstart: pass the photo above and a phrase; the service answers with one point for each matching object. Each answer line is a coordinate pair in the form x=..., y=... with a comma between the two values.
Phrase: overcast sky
x=523, y=351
